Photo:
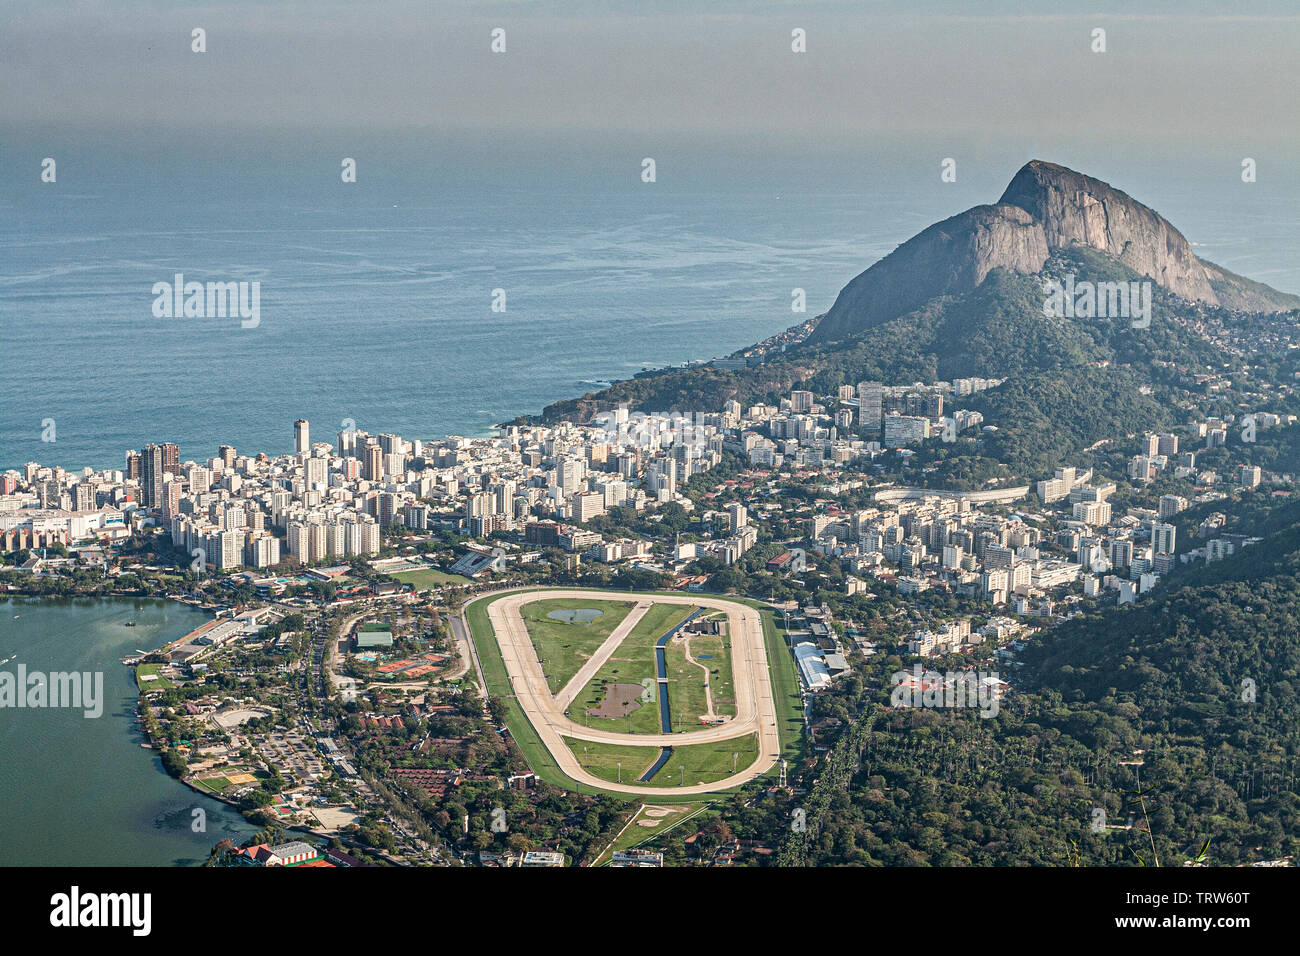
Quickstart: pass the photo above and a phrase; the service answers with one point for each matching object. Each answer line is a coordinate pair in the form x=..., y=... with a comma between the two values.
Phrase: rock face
x=948, y=258
x=1076, y=209
x=1046, y=207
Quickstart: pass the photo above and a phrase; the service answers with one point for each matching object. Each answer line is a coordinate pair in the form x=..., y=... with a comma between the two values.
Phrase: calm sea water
x=79, y=791
x=376, y=296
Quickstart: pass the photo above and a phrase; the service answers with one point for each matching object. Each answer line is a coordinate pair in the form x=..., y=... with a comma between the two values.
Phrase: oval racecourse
x=572, y=665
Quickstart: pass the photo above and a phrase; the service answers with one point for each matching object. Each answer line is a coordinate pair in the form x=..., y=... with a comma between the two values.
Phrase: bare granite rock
x=948, y=258
x=1077, y=209
x=1045, y=208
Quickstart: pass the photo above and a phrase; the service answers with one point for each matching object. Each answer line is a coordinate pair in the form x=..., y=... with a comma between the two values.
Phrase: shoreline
x=136, y=723
x=538, y=418
x=188, y=780
x=141, y=725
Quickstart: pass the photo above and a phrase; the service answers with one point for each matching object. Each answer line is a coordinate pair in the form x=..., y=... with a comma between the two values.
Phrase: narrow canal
x=665, y=714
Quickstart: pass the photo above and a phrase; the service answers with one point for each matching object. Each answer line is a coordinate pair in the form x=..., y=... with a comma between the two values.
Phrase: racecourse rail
x=755, y=705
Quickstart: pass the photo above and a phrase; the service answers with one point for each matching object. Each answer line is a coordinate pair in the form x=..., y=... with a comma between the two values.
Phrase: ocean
x=376, y=296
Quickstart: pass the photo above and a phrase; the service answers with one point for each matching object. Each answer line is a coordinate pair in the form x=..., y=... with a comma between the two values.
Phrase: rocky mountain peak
x=1075, y=209
x=1045, y=208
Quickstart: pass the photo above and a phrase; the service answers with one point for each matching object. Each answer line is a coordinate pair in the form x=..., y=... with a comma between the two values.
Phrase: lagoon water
x=79, y=791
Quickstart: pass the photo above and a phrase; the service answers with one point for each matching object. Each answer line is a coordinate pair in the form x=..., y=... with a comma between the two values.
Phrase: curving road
x=755, y=707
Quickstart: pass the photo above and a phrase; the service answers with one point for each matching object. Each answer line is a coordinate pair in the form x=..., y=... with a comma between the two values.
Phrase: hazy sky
x=1223, y=72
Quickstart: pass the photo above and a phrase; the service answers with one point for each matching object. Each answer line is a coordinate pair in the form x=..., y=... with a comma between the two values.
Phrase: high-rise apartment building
x=171, y=499
x=348, y=440
x=1170, y=505
x=1162, y=538
x=801, y=402
x=316, y=472
x=83, y=496
x=151, y=476
x=171, y=458
x=373, y=463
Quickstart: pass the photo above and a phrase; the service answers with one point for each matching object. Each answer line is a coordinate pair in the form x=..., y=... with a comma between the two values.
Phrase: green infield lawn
x=686, y=679
x=602, y=760
x=707, y=763
x=632, y=664
x=563, y=647
x=701, y=763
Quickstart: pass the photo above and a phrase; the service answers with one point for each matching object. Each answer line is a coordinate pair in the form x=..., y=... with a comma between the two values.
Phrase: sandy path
x=603, y=653
x=708, y=688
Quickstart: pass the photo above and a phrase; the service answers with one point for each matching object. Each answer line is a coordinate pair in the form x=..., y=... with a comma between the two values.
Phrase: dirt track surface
x=755, y=708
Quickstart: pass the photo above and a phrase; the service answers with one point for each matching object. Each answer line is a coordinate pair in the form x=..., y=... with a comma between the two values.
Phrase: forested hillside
x=1189, y=696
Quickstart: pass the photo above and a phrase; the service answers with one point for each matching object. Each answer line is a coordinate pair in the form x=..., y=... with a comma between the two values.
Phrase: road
x=460, y=628
x=755, y=707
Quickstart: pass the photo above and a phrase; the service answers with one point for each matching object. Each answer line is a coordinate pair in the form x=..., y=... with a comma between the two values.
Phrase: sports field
x=229, y=778
x=148, y=678
x=741, y=737
x=422, y=578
